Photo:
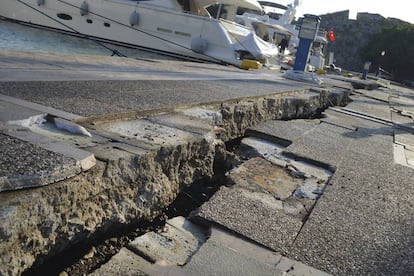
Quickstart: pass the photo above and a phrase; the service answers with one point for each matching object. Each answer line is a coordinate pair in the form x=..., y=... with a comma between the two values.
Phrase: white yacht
x=200, y=29
x=275, y=24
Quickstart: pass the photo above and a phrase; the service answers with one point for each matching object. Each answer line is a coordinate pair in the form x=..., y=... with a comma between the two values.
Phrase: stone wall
x=352, y=35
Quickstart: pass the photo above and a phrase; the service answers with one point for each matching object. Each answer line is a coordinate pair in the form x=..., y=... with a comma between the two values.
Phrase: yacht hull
x=166, y=30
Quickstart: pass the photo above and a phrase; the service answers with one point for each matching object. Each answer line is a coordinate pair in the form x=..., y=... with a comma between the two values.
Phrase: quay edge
x=134, y=181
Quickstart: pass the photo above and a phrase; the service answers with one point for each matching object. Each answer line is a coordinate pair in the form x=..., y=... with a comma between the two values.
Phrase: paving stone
x=370, y=106
x=13, y=112
x=293, y=268
x=403, y=122
x=399, y=155
x=344, y=120
x=227, y=254
x=224, y=254
x=26, y=106
x=175, y=244
x=404, y=138
x=359, y=222
x=378, y=94
x=252, y=217
x=410, y=157
x=254, y=147
x=402, y=103
x=125, y=262
x=323, y=144
x=282, y=131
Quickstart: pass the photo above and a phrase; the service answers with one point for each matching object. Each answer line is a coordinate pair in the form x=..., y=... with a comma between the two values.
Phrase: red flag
x=331, y=36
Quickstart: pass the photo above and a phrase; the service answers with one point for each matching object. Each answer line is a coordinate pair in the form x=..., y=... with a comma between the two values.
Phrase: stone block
x=175, y=244
x=254, y=217
x=226, y=254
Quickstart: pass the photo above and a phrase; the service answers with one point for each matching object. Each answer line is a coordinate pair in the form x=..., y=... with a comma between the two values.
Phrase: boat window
x=182, y=34
x=241, y=10
x=219, y=10
x=164, y=30
x=106, y=24
x=89, y=21
x=185, y=4
x=64, y=16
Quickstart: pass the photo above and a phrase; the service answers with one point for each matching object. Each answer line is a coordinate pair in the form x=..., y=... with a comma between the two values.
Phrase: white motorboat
x=191, y=28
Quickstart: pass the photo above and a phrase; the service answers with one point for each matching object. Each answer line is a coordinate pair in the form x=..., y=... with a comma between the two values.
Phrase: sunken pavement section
x=332, y=194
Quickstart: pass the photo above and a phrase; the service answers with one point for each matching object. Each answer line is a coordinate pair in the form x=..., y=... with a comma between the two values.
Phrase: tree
x=392, y=49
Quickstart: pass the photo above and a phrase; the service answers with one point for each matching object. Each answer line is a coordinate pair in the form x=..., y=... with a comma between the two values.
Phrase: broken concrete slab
x=251, y=147
x=214, y=117
x=149, y=132
x=175, y=244
x=259, y=175
x=127, y=263
x=86, y=159
x=272, y=194
x=26, y=165
x=310, y=189
x=195, y=125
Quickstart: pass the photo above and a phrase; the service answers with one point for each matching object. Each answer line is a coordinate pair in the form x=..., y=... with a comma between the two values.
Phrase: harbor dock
x=249, y=173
